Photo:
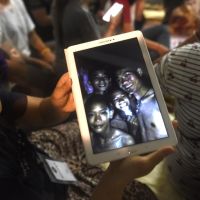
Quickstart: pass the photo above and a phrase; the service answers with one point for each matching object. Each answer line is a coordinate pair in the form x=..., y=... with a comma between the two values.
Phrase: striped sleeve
x=179, y=72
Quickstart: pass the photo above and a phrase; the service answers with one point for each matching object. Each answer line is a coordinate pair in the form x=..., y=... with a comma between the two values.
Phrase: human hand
x=114, y=23
x=62, y=95
x=137, y=166
x=115, y=20
x=175, y=124
x=120, y=173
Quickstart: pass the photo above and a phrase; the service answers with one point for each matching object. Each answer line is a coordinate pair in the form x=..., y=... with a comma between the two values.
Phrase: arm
x=127, y=27
x=114, y=23
x=123, y=19
x=125, y=170
x=49, y=111
x=41, y=47
x=41, y=17
x=139, y=7
x=161, y=49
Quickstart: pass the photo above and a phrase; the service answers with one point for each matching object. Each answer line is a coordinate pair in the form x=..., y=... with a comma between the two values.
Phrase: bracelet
x=45, y=50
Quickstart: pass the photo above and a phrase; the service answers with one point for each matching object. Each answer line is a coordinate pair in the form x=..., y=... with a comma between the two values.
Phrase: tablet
x=119, y=104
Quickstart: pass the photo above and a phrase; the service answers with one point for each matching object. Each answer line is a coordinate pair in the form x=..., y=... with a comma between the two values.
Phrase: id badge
x=58, y=171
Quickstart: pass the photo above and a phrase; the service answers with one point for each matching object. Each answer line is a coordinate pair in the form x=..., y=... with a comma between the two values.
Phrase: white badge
x=60, y=170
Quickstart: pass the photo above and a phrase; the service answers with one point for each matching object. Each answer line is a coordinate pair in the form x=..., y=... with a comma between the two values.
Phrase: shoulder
x=73, y=13
x=183, y=56
x=17, y=3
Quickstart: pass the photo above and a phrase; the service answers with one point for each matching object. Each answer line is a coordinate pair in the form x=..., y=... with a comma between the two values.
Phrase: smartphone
x=114, y=10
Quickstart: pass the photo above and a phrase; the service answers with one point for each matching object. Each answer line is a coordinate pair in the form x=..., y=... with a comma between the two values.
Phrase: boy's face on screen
x=100, y=81
x=98, y=117
x=120, y=100
x=128, y=81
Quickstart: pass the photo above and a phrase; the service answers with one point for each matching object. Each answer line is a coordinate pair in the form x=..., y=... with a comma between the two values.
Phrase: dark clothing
x=45, y=32
x=76, y=26
x=21, y=176
x=158, y=33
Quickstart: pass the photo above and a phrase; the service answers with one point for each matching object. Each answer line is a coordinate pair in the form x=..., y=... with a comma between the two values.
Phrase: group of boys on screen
x=123, y=115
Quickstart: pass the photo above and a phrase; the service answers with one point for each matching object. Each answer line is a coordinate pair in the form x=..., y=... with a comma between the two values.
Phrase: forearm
x=161, y=49
x=44, y=51
x=127, y=27
x=111, y=31
x=41, y=114
x=17, y=72
x=37, y=43
x=110, y=187
x=41, y=16
x=50, y=114
x=139, y=10
x=113, y=25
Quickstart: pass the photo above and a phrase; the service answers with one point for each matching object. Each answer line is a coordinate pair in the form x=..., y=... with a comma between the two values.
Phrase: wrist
x=110, y=187
x=44, y=51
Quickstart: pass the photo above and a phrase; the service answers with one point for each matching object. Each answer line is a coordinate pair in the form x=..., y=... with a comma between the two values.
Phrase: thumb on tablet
x=152, y=159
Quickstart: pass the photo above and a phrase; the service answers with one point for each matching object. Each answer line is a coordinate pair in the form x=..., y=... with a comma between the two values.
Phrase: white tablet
x=119, y=104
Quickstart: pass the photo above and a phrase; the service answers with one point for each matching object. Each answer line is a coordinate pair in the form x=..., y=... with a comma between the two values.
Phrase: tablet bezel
x=84, y=129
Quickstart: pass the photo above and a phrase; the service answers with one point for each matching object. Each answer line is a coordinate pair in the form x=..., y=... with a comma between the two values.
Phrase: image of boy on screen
x=126, y=113
x=148, y=111
x=103, y=136
x=100, y=80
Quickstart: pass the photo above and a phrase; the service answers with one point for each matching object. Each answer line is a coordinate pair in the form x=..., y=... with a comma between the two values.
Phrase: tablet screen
x=119, y=99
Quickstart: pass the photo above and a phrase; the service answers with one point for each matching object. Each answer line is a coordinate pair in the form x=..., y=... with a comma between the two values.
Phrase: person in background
x=157, y=45
x=126, y=21
x=178, y=73
x=73, y=24
x=40, y=12
x=19, y=27
x=169, y=6
x=28, y=75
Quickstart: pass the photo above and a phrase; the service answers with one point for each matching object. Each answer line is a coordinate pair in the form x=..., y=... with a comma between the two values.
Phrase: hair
x=94, y=72
x=169, y=6
x=183, y=21
x=95, y=99
x=128, y=69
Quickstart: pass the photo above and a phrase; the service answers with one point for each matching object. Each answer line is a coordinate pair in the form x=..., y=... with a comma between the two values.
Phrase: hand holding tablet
x=119, y=104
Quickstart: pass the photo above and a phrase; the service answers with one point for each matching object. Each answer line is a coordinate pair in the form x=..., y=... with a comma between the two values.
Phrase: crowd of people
x=35, y=92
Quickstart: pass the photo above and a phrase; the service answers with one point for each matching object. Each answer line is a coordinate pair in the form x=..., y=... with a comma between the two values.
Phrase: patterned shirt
x=179, y=75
